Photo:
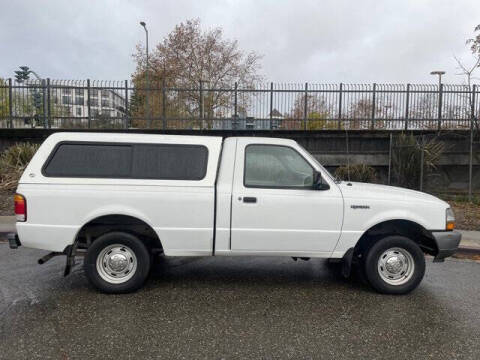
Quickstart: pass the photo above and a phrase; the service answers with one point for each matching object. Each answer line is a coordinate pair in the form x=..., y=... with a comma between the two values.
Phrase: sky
x=317, y=41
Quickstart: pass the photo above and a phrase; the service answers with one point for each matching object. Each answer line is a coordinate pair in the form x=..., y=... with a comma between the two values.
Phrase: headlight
x=450, y=216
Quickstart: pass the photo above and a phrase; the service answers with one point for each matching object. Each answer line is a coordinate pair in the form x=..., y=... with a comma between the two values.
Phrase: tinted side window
x=170, y=162
x=276, y=166
x=90, y=160
x=128, y=161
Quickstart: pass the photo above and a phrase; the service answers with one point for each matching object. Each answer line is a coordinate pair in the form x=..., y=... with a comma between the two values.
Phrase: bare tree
x=191, y=58
x=360, y=113
x=424, y=107
x=468, y=70
x=318, y=116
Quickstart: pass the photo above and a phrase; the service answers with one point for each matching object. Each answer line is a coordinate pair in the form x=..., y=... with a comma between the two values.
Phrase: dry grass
x=13, y=162
x=356, y=172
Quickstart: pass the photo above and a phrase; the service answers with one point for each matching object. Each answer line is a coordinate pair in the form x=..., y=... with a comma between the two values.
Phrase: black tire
x=141, y=254
x=372, y=271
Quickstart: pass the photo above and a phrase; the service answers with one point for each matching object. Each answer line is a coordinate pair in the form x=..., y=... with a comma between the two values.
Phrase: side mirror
x=319, y=183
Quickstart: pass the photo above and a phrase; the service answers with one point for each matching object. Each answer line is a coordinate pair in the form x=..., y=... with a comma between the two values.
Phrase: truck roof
x=124, y=137
x=151, y=138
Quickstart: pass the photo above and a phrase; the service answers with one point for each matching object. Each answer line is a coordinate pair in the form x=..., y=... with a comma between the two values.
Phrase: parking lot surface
x=235, y=308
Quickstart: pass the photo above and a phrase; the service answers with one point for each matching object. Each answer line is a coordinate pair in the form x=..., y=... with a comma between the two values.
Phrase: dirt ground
x=467, y=215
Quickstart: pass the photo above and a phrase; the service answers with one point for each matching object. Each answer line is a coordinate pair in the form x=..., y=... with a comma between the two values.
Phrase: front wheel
x=117, y=262
x=394, y=265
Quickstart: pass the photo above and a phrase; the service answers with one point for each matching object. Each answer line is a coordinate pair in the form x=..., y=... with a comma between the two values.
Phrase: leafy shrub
x=406, y=159
x=318, y=121
x=356, y=172
x=13, y=162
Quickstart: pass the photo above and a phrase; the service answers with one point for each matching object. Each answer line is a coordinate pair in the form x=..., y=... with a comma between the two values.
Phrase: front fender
x=358, y=220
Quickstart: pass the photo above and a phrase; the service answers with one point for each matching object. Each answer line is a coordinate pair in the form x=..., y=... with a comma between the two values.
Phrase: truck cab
x=121, y=199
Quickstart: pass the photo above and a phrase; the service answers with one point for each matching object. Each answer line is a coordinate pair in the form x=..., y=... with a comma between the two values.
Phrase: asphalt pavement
x=242, y=307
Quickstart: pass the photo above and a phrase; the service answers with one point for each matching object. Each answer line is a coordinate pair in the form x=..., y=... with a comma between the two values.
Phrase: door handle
x=249, y=199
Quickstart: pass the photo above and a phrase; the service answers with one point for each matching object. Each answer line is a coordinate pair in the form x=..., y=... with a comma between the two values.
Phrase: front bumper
x=447, y=243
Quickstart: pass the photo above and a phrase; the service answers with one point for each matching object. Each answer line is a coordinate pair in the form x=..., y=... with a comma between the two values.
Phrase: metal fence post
x=340, y=93
x=235, y=101
x=305, y=108
x=200, y=108
x=89, y=110
x=470, y=163
x=10, y=104
x=470, y=160
x=127, y=123
x=440, y=105
x=164, y=105
x=44, y=103
x=407, y=104
x=390, y=160
x=271, y=106
x=374, y=105
x=49, y=106
x=474, y=90
x=348, y=155
x=421, y=162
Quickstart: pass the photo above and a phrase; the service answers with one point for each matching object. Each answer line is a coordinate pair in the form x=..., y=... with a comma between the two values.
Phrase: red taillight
x=20, y=207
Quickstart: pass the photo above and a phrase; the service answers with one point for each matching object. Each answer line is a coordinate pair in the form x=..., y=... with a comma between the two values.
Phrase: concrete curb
x=470, y=250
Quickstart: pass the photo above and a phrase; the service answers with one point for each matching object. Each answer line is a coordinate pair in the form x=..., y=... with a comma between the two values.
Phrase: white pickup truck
x=121, y=199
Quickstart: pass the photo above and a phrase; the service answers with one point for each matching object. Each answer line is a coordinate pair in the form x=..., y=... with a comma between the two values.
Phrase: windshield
x=325, y=171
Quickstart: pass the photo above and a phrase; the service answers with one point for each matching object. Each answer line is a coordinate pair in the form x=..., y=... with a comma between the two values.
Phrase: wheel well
x=104, y=224
x=406, y=228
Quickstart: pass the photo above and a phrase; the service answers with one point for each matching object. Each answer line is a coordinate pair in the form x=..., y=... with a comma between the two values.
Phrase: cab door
x=275, y=208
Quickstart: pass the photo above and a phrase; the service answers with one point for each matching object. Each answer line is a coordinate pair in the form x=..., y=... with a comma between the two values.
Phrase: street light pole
x=439, y=73
x=440, y=100
x=144, y=25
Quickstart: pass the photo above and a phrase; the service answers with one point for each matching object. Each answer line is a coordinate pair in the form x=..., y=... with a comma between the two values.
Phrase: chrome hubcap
x=396, y=266
x=116, y=263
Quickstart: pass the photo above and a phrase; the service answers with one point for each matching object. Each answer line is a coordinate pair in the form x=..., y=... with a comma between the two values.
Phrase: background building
x=103, y=102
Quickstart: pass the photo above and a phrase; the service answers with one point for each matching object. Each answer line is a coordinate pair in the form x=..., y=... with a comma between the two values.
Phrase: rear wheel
x=117, y=262
x=394, y=265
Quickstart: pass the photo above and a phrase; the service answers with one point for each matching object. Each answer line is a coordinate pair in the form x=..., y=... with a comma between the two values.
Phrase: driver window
x=275, y=166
